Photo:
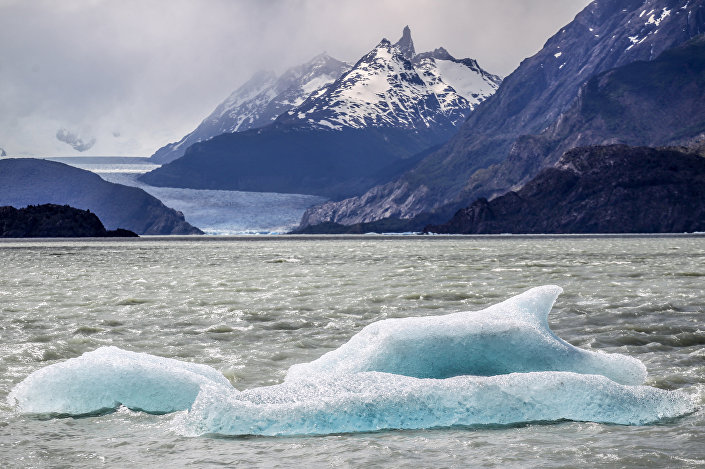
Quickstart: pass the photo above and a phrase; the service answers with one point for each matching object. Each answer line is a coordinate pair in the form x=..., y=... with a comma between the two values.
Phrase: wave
x=501, y=365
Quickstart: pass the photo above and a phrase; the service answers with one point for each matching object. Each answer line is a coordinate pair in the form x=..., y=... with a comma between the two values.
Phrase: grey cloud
x=154, y=69
x=78, y=144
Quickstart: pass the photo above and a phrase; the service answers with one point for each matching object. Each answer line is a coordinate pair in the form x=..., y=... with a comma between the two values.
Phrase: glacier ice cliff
x=501, y=365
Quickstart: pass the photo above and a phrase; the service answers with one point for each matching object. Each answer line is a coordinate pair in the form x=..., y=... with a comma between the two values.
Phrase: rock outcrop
x=54, y=221
x=599, y=189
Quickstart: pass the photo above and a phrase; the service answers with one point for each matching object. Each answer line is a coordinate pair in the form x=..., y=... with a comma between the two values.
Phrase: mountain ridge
x=258, y=102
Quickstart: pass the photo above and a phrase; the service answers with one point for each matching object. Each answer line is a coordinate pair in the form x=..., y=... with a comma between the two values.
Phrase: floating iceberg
x=108, y=377
x=371, y=401
x=501, y=365
x=512, y=336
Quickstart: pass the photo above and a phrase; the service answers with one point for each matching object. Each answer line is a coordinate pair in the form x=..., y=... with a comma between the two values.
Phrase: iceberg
x=509, y=337
x=498, y=366
x=102, y=380
x=372, y=401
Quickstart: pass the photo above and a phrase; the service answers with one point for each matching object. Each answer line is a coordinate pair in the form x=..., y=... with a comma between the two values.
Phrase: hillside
x=54, y=221
x=599, y=189
x=27, y=181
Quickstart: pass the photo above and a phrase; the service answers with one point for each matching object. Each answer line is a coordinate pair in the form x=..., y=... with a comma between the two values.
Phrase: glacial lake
x=251, y=307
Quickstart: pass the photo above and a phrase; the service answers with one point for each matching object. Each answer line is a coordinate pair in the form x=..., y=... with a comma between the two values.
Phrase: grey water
x=252, y=307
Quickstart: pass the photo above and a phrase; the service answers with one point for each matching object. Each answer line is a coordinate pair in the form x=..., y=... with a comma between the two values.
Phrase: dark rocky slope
x=654, y=103
x=333, y=164
x=605, y=35
x=26, y=181
x=599, y=189
x=54, y=221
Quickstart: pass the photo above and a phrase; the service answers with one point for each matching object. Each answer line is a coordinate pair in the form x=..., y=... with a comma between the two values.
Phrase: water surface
x=253, y=307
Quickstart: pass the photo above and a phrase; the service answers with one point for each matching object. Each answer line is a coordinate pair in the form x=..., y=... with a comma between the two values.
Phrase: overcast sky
x=135, y=75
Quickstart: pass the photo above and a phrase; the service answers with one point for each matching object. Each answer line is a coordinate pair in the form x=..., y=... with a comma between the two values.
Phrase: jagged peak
x=405, y=44
x=384, y=43
x=440, y=53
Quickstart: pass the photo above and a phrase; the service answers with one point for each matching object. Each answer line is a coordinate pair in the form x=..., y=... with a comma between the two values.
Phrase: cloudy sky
x=124, y=77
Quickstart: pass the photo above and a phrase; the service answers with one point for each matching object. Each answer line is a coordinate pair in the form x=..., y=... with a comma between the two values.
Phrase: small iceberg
x=502, y=365
x=104, y=379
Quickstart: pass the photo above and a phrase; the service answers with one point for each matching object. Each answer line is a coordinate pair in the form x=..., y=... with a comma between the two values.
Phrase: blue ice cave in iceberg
x=501, y=365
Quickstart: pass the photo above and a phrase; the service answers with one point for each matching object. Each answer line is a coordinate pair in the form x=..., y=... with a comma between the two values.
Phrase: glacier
x=498, y=366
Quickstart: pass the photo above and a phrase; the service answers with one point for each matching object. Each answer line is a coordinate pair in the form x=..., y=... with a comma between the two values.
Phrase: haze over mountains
x=367, y=126
x=259, y=102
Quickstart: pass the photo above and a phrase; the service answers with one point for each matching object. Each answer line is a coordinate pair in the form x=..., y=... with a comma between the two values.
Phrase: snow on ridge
x=387, y=89
x=657, y=21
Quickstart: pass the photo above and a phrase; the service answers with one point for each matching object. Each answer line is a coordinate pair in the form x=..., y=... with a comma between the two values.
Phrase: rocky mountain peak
x=406, y=44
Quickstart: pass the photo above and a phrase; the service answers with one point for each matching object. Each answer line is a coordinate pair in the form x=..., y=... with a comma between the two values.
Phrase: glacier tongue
x=465, y=367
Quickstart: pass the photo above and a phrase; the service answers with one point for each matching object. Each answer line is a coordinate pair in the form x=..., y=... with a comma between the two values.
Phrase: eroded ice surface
x=372, y=401
x=512, y=336
x=501, y=365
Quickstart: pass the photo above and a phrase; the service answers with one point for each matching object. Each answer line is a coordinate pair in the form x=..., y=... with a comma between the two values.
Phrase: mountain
x=371, y=124
x=599, y=189
x=650, y=103
x=27, y=181
x=259, y=102
x=392, y=87
x=54, y=221
x=605, y=35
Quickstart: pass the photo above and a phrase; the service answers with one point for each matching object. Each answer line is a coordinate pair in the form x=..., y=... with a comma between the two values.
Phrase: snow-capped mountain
x=372, y=123
x=392, y=86
x=259, y=102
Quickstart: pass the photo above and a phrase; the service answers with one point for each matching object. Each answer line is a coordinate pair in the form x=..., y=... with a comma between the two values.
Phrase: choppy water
x=252, y=308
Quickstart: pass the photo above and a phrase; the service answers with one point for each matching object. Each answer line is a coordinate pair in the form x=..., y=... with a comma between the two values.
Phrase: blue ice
x=108, y=377
x=501, y=365
x=371, y=401
x=512, y=336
